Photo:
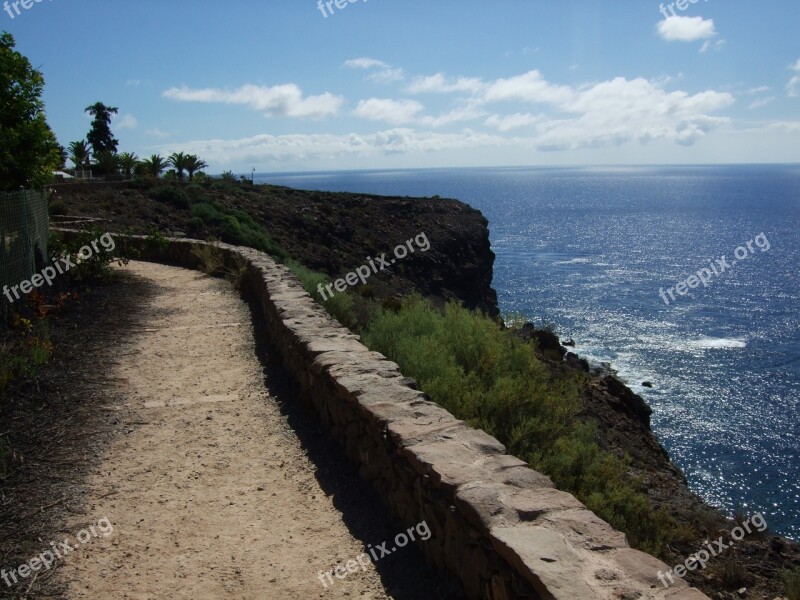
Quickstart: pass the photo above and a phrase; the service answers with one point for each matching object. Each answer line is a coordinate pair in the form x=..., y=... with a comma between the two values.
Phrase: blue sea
x=587, y=250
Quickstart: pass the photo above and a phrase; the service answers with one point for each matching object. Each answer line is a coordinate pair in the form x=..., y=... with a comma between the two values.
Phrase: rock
x=570, y=343
x=647, y=384
x=742, y=592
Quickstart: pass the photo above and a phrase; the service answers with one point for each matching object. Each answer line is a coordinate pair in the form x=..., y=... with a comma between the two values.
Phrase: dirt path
x=209, y=490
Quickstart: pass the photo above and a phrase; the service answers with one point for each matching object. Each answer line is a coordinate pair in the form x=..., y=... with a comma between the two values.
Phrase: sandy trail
x=210, y=492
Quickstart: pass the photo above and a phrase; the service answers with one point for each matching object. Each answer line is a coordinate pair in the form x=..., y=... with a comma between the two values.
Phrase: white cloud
x=468, y=112
x=382, y=72
x=306, y=147
x=509, y=122
x=392, y=111
x=758, y=90
x=793, y=87
x=157, y=133
x=529, y=87
x=126, y=121
x=438, y=84
x=686, y=29
x=761, y=102
x=276, y=101
x=608, y=113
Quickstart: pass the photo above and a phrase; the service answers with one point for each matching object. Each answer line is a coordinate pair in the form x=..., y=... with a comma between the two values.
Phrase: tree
x=128, y=162
x=193, y=163
x=79, y=154
x=106, y=162
x=154, y=166
x=29, y=152
x=178, y=161
x=100, y=137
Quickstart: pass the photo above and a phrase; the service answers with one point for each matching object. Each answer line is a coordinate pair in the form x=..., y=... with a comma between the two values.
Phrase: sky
x=295, y=85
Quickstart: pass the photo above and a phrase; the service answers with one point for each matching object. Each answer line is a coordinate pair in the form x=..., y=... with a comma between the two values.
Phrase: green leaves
x=29, y=151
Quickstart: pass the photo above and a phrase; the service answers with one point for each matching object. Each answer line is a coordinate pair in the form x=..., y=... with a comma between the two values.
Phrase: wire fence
x=24, y=228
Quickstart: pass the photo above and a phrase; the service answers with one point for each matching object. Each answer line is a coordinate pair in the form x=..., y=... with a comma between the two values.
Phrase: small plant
x=791, y=579
x=58, y=208
x=98, y=264
x=170, y=194
x=213, y=262
x=733, y=572
x=156, y=241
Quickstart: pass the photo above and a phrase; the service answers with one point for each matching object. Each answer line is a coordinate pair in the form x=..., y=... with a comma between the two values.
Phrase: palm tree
x=193, y=163
x=107, y=162
x=79, y=154
x=179, y=162
x=154, y=166
x=128, y=162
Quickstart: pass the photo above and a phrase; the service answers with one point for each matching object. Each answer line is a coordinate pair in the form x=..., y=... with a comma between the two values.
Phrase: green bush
x=98, y=264
x=495, y=382
x=791, y=580
x=170, y=194
x=236, y=227
x=340, y=306
x=57, y=208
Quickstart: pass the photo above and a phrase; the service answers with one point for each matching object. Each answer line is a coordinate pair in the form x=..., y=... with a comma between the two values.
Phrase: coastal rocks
x=628, y=401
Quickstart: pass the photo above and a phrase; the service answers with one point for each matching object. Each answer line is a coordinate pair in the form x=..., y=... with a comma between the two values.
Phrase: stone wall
x=500, y=527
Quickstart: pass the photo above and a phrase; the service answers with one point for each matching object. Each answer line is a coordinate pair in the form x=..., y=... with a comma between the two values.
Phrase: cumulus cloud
x=528, y=87
x=509, y=122
x=439, y=84
x=390, y=111
x=686, y=29
x=381, y=71
x=606, y=113
x=304, y=147
x=274, y=101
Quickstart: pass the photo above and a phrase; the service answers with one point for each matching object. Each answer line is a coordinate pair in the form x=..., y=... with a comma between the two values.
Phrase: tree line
x=99, y=151
x=30, y=152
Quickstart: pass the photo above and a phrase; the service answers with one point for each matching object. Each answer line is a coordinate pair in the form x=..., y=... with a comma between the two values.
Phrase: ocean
x=605, y=255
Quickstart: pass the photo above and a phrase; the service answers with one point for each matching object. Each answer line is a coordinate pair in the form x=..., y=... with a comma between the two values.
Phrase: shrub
x=98, y=264
x=483, y=375
x=170, y=194
x=58, y=208
x=791, y=580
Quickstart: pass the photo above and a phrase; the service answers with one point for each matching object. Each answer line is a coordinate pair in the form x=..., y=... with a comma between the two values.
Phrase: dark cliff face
x=340, y=231
x=334, y=233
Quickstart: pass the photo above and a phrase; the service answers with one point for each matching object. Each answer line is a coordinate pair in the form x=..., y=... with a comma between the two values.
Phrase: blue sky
x=423, y=83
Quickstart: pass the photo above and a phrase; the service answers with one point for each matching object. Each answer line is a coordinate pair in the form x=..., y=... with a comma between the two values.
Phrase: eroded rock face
x=333, y=233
